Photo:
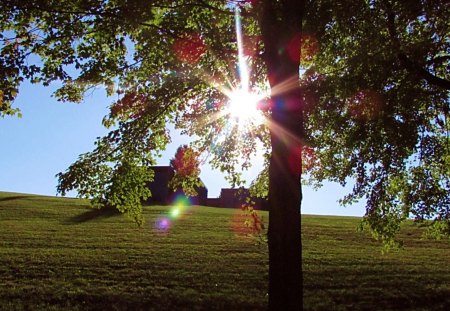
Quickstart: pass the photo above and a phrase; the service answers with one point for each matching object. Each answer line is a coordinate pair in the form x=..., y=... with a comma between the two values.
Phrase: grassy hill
x=58, y=254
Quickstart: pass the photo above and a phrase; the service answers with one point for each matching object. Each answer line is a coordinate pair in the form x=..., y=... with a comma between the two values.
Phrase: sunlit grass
x=57, y=254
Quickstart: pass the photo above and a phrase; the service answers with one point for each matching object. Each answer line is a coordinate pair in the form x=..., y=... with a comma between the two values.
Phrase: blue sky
x=51, y=135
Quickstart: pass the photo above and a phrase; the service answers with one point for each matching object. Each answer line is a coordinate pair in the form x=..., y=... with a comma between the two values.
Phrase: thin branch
x=438, y=59
x=423, y=73
x=406, y=62
x=161, y=29
x=200, y=3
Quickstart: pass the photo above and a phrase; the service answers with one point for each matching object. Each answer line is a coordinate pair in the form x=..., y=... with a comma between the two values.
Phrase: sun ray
x=285, y=86
x=243, y=69
x=243, y=102
x=240, y=106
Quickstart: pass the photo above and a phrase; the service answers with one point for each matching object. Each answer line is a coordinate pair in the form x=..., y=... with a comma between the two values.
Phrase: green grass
x=58, y=254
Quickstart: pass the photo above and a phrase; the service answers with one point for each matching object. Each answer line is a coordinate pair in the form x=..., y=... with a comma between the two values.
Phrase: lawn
x=58, y=254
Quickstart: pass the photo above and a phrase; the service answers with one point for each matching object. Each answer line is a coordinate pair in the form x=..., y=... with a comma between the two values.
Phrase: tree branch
x=423, y=73
x=439, y=59
x=406, y=62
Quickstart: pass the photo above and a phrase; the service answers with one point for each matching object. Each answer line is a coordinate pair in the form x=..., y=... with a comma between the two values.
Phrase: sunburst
x=242, y=105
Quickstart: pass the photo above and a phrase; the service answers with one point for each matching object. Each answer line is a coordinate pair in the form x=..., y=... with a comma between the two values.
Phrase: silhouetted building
x=235, y=198
x=202, y=195
x=213, y=202
x=159, y=187
x=229, y=197
x=162, y=193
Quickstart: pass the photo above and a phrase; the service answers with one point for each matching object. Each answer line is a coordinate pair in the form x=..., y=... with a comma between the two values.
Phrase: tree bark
x=285, y=246
x=281, y=32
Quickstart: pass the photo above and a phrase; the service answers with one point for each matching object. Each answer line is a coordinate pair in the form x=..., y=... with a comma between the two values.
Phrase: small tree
x=186, y=165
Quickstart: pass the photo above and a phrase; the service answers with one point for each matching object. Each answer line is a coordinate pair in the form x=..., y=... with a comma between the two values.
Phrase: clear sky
x=51, y=135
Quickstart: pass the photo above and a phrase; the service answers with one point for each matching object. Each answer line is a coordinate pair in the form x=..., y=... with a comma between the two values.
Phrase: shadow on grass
x=93, y=214
x=376, y=290
x=150, y=299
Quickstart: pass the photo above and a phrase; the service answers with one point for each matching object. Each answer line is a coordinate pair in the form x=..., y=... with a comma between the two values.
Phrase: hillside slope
x=58, y=253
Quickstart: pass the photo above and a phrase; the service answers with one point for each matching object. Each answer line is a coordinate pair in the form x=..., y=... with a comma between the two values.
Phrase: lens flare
x=175, y=212
x=182, y=200
x=178, y=211
x=162, y=225
x=238, y=223
x=189, y=48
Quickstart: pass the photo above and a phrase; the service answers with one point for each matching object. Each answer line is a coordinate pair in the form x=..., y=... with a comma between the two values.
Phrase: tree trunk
x=285, y=248
x=281, y=33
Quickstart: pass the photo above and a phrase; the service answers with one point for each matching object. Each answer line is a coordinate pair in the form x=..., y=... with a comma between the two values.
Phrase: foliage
x=377, y=101
x=186, y=166
x=254, y=221
x=117, y=172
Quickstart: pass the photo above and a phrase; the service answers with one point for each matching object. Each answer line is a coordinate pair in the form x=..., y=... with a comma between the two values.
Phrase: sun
x=243, y=99
x=243, y=107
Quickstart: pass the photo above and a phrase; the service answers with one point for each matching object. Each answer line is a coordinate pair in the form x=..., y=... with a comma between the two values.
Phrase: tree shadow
x=93, y=214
